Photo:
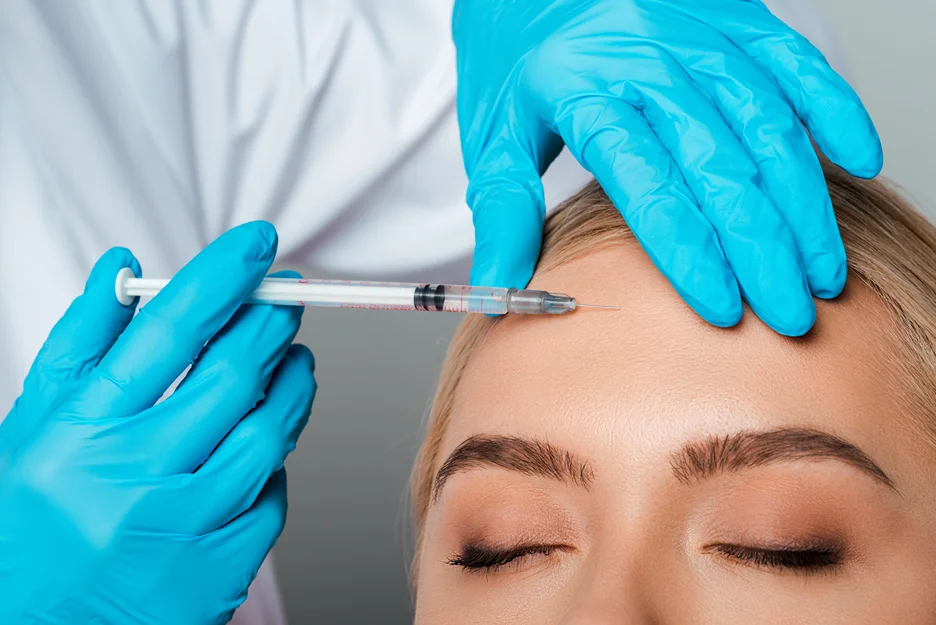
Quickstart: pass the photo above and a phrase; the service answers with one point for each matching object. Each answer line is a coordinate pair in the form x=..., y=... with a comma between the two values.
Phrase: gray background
x=344, y=553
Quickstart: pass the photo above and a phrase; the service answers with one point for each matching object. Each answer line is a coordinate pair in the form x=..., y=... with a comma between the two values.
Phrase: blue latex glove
x=114, y=510
x=690, y=114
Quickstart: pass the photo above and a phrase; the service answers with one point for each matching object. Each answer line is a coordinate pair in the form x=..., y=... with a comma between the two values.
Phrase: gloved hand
x=690, y=115
x=114, y=510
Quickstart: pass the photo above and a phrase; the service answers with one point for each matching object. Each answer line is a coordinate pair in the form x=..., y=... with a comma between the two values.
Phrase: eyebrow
x=712, y=456
x=694, y=462
x=514, y=453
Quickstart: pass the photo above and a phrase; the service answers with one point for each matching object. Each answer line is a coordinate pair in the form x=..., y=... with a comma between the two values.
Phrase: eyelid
x=800, y=559
x=804, y=542
x=477, y=557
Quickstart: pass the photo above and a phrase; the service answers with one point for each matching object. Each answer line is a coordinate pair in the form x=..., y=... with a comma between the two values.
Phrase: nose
x=607, y=615
x=609, y=602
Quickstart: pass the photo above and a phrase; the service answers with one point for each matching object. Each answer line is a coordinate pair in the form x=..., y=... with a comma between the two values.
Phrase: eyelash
x=475, y=558
x=805, y=561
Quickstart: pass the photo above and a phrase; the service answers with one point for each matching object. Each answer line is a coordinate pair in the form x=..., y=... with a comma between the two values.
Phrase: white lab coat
x=158, y=125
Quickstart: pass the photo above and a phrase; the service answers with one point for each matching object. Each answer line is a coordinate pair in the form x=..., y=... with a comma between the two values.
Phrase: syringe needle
x=596, y=306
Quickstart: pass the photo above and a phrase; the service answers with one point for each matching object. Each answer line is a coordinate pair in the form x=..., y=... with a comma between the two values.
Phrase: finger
x=168, y=332
x=777, y=143
x=505, y=195
x=229, y=378
x=232, y=477
x=240, y=547
x=233, y=552
x=613, y=141
x=252, y=534
x=76, y=343
x=757, y=242
x=255, y=532
x=829, y=108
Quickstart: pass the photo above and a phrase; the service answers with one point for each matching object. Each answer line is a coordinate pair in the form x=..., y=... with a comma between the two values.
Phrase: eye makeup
x=478, y=557
x=804, y=558
x=798, y=522
x=493, y=524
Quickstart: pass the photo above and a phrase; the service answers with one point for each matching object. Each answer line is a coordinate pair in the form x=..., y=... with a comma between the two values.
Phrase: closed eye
x=819, y=559
x=475, y=557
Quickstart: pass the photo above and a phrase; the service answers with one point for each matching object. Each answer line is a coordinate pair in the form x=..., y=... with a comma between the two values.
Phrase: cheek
x=443, y=602
x=448, y=595
x=486, y=507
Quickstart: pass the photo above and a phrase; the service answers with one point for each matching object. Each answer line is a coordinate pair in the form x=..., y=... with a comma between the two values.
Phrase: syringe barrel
x=465, y=299
x=334, y=294
x=383, y=296
x=378, y=295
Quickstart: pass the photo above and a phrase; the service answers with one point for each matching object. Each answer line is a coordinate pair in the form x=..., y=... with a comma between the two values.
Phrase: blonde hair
x=891, y=249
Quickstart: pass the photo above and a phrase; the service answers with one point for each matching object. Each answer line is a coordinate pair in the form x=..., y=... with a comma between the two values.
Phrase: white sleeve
x=163, y=124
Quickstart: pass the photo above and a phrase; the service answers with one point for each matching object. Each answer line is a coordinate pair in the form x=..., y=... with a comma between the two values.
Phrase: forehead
x=626, y=373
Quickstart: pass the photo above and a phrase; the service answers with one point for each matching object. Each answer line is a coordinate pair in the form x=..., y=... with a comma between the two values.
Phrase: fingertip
x=826, y=274
x=774, y=283
x=790, y=315
x=800, y=324
x=261, y=238
x=720, y=306
x=266, y=231
x=860, y=153
x=869, y=166
x=698, y=272
x=89, y=327
x=726, y=317
x=127, y=259
x=301, y=353
x=850, y=139
x=100, y=290
x=694, y=263
x=106, y=268
x=302, y=387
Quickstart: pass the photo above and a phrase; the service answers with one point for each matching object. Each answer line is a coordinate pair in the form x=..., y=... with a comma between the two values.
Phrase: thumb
x=506, y=200
x=80, y=338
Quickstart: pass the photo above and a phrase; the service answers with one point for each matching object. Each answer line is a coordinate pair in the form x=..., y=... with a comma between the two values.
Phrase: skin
x=625, y=390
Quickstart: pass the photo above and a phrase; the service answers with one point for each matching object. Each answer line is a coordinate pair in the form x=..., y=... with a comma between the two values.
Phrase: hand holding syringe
x=382, y=296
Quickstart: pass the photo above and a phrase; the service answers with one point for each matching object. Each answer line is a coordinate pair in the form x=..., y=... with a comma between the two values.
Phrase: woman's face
x=639, y=466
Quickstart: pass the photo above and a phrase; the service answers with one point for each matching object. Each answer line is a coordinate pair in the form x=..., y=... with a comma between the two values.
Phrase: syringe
x=380, y=295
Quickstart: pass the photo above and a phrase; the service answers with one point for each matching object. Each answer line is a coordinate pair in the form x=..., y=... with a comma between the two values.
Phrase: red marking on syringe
x=303, y=281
